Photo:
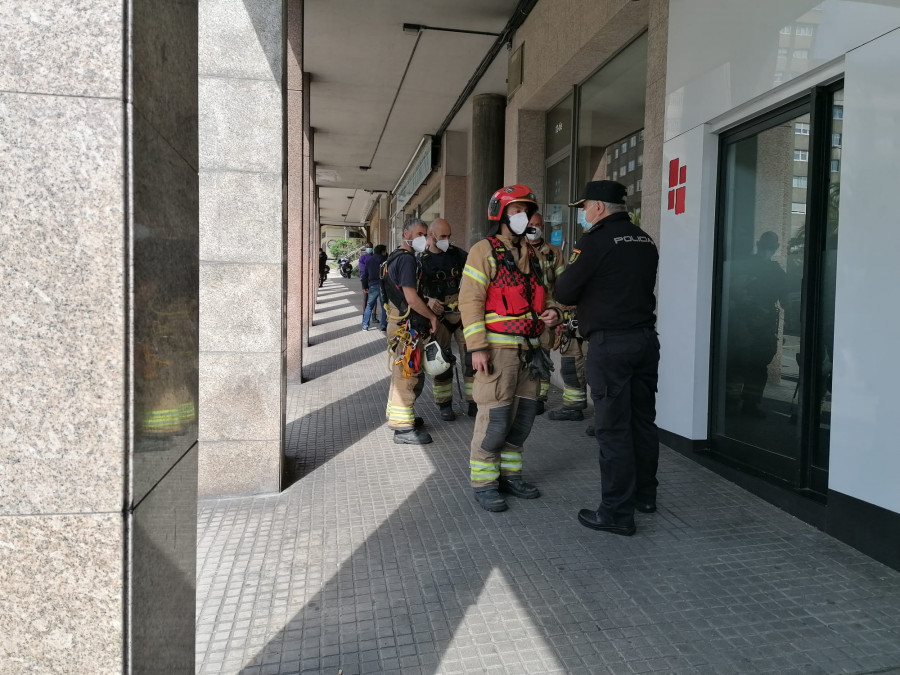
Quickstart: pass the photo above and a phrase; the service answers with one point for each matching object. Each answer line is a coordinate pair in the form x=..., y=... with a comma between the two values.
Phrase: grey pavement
x=377, y=560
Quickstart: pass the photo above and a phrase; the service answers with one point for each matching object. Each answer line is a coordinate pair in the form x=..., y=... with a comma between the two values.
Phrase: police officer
x=611, y=276
x=442, y=267
x=409, y=323
x=504, y=310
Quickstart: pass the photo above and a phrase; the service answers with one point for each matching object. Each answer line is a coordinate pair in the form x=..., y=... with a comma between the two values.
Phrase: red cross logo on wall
x=677, y=186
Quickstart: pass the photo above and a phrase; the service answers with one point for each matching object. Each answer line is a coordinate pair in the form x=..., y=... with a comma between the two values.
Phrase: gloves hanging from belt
x=537, y=360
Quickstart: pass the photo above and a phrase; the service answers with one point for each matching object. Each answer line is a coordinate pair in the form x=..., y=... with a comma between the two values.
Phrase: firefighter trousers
x=450, y=329
x=507, y=405
x=405, y=389
x=572, y=355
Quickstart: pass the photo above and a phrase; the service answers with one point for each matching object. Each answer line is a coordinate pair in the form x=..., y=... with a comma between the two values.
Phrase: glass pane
x=559, y=127
x=757, y=378
x=556, y=211
x=822, y=411
x=611, y=122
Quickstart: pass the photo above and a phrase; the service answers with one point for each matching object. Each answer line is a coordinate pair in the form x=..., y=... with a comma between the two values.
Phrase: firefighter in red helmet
x=505, y=307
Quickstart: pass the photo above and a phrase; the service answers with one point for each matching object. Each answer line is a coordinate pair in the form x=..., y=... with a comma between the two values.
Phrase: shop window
x=773, y=327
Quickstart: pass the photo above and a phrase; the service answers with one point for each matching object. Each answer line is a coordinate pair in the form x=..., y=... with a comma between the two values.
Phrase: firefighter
x=504, y=309
x=442, y=266
x=409, y=324
x=565, y=337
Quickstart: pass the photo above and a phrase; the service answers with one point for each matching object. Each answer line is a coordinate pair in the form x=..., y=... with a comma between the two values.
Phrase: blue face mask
x=585, y=225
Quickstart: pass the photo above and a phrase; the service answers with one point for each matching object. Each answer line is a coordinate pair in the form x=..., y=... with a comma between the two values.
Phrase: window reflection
x=611, y=121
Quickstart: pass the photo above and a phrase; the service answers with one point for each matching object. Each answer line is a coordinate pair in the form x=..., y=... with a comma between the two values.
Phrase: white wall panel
x=723, y=53
x=865, y=455
x=685, y=286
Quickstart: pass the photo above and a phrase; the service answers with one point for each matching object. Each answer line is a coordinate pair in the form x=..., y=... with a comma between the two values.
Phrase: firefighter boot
x=489, y=499
x=517, y=487
x=566, y=414
x=447, y=413
x=412, y=437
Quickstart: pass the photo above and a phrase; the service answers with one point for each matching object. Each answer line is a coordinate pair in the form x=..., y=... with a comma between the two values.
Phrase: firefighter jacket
x=552, y=262
x=487, y=320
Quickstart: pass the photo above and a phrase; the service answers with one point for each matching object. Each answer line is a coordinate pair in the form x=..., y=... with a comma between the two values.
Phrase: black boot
x=540, y=407
x=566, y=414
x=447, y=413
x=489, y=499
x=412, y=437
x=519, y=488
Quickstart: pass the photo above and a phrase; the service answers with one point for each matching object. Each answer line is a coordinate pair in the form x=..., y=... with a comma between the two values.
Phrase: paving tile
x=376, y=560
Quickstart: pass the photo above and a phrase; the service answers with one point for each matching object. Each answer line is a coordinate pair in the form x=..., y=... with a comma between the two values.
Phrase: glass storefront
x=774, y=314
x=606, y=113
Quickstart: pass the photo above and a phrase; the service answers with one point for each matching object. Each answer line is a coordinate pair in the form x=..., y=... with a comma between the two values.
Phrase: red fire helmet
x=508, y=195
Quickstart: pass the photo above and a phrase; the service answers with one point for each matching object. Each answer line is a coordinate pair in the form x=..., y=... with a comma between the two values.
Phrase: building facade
x=162, y=235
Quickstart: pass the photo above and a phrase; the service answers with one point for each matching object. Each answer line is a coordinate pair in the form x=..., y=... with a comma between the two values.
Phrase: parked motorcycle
x=345, y=267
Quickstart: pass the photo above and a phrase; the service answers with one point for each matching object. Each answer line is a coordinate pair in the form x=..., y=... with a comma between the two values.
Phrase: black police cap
x=608, y=191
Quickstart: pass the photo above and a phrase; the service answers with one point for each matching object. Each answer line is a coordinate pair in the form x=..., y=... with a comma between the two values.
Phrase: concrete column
x=298, y=269
x=488, y=123
x=242, y=258
x=98, y=352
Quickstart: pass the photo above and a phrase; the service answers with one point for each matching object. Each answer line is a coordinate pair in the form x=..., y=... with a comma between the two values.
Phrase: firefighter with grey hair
x=410, y=322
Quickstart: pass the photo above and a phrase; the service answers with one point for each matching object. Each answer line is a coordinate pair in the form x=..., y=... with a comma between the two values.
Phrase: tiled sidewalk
x=377, y=560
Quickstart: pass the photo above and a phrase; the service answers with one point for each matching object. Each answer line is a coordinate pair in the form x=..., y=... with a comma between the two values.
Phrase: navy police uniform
x=611, y=277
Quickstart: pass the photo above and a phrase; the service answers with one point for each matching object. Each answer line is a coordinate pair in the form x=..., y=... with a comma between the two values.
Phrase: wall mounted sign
x=677, y=186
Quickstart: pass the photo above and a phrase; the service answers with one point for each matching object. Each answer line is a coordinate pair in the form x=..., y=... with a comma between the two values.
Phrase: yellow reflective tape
x=473, y=328
x=475, y=275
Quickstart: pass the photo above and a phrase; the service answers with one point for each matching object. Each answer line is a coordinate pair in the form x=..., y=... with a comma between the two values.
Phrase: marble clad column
x=241, y=68
x=488, y=124
x=97, y=454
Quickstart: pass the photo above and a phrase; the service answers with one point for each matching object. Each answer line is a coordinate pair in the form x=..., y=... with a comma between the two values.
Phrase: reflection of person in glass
x=759, y=286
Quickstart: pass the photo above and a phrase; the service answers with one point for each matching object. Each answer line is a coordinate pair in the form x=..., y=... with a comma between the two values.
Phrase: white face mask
x=419, y=244
x=537, y=235
x=518, y=223
x=443, y=244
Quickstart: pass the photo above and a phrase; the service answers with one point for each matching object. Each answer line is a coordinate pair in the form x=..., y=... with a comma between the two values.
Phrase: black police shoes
x=519, y=488
x=593, y=520
x=566, y=414
x=447, y=413
x=412, y=437
x=472, y=409
x=489, y=499
x=645, y=505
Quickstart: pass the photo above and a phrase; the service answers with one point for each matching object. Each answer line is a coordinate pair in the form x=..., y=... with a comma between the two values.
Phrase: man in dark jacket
x=611, y=277
x=371, y=275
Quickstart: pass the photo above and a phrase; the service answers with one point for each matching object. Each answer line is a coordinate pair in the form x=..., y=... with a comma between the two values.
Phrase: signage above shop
x=415, y=174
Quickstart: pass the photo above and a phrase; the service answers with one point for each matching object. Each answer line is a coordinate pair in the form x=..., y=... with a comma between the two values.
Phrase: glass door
x=773, y=325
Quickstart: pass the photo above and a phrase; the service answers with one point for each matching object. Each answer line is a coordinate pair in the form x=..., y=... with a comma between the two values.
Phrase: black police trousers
x=623, y=371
